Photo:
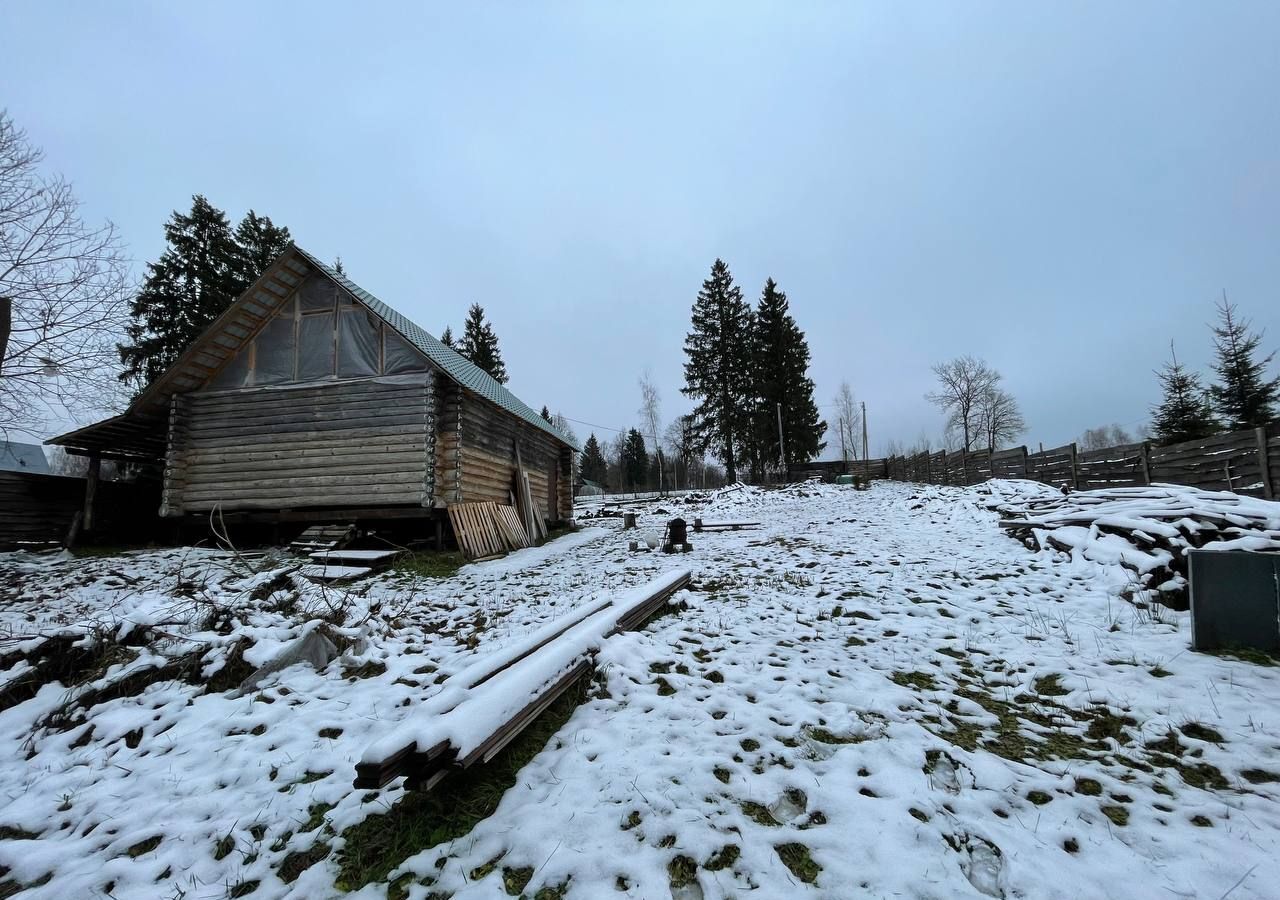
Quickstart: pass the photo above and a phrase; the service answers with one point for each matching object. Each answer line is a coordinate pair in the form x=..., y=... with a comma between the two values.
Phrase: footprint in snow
x=983, y=865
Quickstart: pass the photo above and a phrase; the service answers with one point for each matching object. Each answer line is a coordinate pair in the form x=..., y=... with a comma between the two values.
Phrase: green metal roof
x=454, y=364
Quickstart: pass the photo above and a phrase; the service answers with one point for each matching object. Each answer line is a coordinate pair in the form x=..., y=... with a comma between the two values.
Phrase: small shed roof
x=140, y=431
x=19, y=457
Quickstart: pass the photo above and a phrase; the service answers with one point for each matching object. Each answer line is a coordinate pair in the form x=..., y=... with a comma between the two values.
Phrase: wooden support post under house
x=1075, y=471
x=1144, y=454
x=1026, y=471
x=91, y=493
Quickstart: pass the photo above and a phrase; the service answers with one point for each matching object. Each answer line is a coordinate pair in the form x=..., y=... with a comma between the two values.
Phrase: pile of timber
x=1148, y=530
x=483, y=708
x=522, y=498
x=487, y=529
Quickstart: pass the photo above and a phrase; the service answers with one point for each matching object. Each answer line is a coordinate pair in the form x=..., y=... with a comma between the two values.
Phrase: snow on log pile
x=1148, y=530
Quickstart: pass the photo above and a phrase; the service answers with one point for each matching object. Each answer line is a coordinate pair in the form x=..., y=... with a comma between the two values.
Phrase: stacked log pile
x=1148, y=530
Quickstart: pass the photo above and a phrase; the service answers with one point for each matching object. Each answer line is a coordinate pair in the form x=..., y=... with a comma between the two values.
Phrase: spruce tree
x=1183, y=413
x=1242, y=396
x=447, y=338
x=196, y=277
x=258, y=243
x=594, y=466
x=781, y=379
x=546, y=413
x=717, y=370
x=635, y=460
x=480, y=344
x=337, y=266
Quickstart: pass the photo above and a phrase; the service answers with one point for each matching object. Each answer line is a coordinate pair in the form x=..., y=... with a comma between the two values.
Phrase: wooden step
x=334, y=573
x=355, y=557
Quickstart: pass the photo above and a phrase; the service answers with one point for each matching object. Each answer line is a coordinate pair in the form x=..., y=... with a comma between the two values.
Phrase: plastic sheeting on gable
x=315, y=347
x=398, y=355
x=274, y=352
x=316, y=293
x=234, y=374
x=357, y=343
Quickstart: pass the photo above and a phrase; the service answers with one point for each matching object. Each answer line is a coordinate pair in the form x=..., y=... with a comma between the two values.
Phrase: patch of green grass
x=297, y=862
x=664, y=687
x=147, y=846
x=552, y=891
x=921, y=681
x=1049, y=686
x=1159, y=672
x=722, y=774
x=482, y=871
x=1201, y=821
x=223, y=848
x=796, y=857
x=1200, y=732
x=1249, y=655
x=430, y=564
x=681, y=872
x=514, y=881
x=750, y=745
x=1039, y=798
x=1117, y=814
x=421, y=820
x=1089, y=786
x=823, y=736
x=759, y=813
x=315, y=816
x=1260, y=776
x=724, y=858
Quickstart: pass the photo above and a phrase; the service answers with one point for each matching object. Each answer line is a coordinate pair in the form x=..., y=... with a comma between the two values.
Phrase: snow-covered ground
x=875, y=693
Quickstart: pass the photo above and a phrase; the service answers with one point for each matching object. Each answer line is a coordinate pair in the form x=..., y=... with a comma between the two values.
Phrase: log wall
x=358, y=443
x=486, y=440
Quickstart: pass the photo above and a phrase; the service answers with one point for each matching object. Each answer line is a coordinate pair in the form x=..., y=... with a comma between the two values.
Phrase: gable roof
x=454, y=364
x=140, y=432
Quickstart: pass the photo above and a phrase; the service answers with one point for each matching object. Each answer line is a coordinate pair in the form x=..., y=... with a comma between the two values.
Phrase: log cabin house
x=309, y=399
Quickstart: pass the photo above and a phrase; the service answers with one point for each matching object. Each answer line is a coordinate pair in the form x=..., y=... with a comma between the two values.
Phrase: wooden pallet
x=699, y=525
x=486, y=528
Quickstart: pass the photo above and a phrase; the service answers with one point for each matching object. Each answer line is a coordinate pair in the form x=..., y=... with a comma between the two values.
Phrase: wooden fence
x=1246, y=462
x=39, y=508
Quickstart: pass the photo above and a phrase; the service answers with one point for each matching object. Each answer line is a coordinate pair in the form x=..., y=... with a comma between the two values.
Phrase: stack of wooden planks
x=346, y=565
x=483, y=708
x=522, y=497
x=486, y=529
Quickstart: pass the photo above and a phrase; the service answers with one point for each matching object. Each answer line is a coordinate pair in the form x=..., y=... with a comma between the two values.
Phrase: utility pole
x=866, y=463
x=782, y=447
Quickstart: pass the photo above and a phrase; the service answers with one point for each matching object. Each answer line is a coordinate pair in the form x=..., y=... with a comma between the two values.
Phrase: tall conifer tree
x=635, y=460
x=447, y=338
x=717, y=369
x=194, y=280
x=781, y=379
x=480, y=344
x=594, y=466
x=1183, y=413
x=1243, y=396
x=259, y=241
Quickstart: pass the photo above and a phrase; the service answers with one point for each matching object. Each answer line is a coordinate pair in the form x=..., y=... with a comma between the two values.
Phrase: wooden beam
x=91, y=491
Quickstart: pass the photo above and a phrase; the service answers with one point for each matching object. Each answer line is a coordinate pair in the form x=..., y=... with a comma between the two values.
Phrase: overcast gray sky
x=1059, y=188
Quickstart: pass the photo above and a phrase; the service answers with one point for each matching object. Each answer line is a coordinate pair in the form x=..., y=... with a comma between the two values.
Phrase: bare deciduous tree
x=998, y=418
x=962, y=383
x=846, y=422
x=62, y=292
x=651, y=416
x=1104, y=437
